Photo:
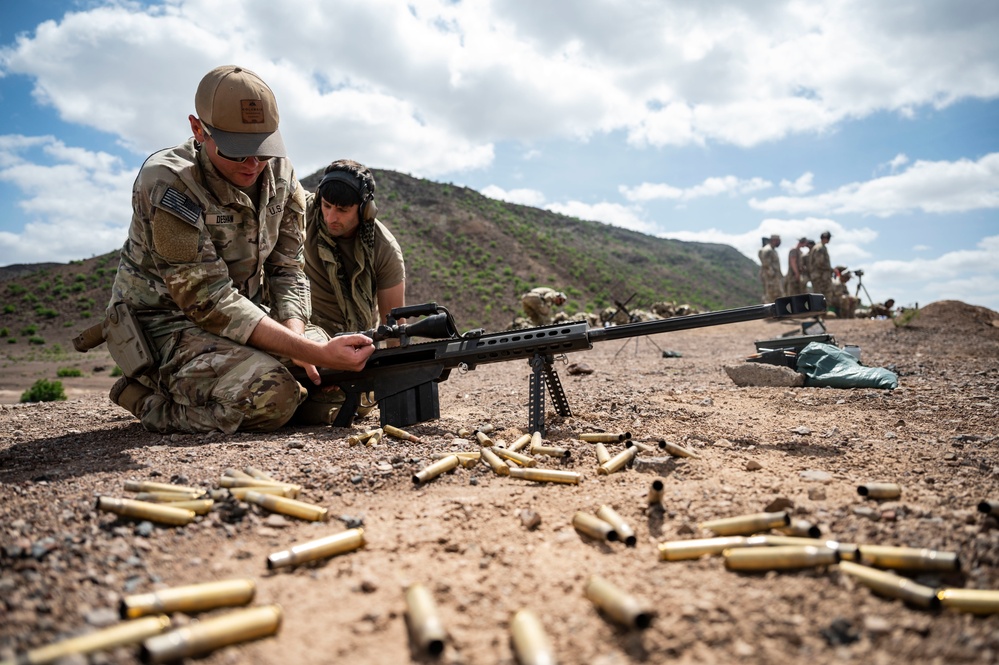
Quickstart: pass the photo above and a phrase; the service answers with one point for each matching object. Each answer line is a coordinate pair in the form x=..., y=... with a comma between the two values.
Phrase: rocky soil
x=64, y=567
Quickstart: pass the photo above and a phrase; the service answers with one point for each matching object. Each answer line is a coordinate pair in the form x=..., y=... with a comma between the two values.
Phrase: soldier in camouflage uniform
x=820, y=270
x=796, y=280
x=212, y=270
x=770, y=274
x=539, y=304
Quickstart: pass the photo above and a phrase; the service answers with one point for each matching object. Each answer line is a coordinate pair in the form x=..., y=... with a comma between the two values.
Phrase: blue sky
x=716, y=122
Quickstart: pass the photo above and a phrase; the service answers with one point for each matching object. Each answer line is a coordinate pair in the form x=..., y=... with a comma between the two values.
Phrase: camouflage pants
x=208, y=383
x=773, y=288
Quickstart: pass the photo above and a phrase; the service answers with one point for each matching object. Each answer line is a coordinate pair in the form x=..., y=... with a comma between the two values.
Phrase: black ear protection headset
x=365, y=188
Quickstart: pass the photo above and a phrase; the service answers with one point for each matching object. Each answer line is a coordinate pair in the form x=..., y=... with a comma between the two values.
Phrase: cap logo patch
x=252, y=111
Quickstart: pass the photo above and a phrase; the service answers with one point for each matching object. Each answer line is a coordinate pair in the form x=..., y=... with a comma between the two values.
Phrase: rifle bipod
x=541, y=368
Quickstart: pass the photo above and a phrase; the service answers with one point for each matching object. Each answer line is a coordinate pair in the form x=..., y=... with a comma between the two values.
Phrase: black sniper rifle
x=404, y=378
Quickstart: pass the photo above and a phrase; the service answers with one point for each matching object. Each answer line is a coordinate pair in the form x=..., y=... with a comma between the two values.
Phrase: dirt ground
x=64, y=567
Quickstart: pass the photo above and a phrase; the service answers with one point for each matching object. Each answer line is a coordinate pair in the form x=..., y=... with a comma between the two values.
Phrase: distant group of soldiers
x=541, y=308
x=809, y=270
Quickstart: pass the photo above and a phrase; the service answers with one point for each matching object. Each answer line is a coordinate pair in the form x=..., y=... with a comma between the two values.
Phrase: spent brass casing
x=212, y=633
x=355, y=439
x=189, y=598
x=258, y=473
x=745, y=525
x=401, y=434
x=154, y=512
x=323, y=548
x=290, y=507
x=989, y=507
x=546, y=475
x=677, y=451
x=150, y=486
x=167, y=497
x=551, y=451
x=604, y=437
x=975, y=601
x=464, y=432
x=468, y=454
x=241, y=492
x=624, y=532
x=801, y=529
x=236, y=473
x=530, y=642
x=695, y=548
x=644, y=447
x=374, y=439
x=425, y=627
x=880, y=490
x=891, y=585
x=909, y=558
x=522, y=442
x=435, y=469
x=483, y=439
x=616, y=604
x=123, y=634
x=229, y=483
x=467, y=462
x=488, y=428
x=594, y=527
x=603, y=455
x=847, y=551
x=516, y=458
x=199, y=506
x=618, y=462
x=655, y=495
x=782, y=557
x=491, y=459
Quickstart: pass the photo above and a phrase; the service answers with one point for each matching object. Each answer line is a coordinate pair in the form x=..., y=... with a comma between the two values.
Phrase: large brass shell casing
x=624, y=532
x=355, y=439
x=401, y=434
x=213, y=633
x=516, y=458
x=551, y=451
x=891, y=585
x=603, y=455
x=594, y=527
x=199, y=506
x=546, y=475
x=241, y=492
x=483, y=439
x=374, y=439
x=746, y=525
x=619, y=606
x=167, y=497
x=290, y=507
x=989, y=507
x=162, y=513
x=783, y=557
x=604, y=437
x=677, y=451
x=121, y=635
x=467, y=454
x=801, y=529
x=695, y=548
x=435, y=469
x=425, y=627
x=229, y=483
x=975, y=601
x=847, y=551
x=465, y=461
x=530, y=642
x=189, y=598
x=150, y=486
x=522, y=442
x=323, y=548
x=618, y=462
x=492, y=460
x=236, y=473
x=909, y=558
x=643, y=447
x=655, y=495
x=880, y=490
x=258, y=473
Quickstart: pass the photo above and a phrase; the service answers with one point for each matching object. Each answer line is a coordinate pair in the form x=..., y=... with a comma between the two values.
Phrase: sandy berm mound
x=64, y=567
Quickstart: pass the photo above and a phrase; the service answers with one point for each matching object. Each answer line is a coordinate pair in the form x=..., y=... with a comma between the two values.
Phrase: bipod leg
x=536, y=396
x=555, y=391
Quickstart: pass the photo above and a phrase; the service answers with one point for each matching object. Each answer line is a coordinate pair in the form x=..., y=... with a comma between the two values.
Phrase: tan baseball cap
x=241, y=113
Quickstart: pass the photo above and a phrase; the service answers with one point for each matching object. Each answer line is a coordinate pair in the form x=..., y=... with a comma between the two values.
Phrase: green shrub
x=46, y=312
x=9, y=309
x=69, y=371
x=116, y=371
x=35, y=339
x=44, y=391
x=12, y=340
x=4, y=332
x=30, y=330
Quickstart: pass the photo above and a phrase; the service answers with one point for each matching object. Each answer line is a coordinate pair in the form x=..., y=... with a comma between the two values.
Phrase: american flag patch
x=181, y=205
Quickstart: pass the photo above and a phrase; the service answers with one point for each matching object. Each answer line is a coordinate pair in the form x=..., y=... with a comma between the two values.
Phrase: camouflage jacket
x=199, y=253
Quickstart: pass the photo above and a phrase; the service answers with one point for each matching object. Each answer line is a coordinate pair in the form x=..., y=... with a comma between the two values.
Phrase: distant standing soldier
x=540, y=303
x=796, y=280
x=820, y=269
x=841, y=300
x=806, y=270
x=773, y=280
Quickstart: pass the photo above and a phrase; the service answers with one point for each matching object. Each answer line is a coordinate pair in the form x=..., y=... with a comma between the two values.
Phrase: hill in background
x=470, y=253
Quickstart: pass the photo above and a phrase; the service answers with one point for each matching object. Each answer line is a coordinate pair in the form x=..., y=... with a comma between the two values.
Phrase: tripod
x=623, y=307
x=860, y=285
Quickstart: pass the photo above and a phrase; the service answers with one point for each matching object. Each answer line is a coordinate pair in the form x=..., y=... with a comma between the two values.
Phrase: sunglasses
x=237, y=160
